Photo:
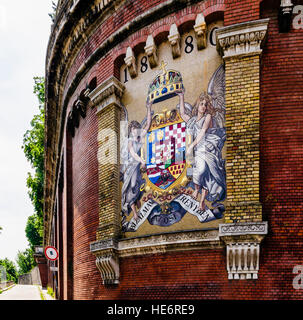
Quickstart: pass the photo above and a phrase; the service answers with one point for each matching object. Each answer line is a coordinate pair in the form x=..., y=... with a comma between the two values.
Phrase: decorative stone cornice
x=158, y=243
x=242, y=39
x=107, y=93
x=103, y=244
x=244, y=228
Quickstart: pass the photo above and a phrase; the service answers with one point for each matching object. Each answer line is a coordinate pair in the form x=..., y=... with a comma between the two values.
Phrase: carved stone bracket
x=242, y=39
x=151, y=51
x=108, y=265
x=174, y=39
x=286, y=6
x=130, y=61
x=200, y=31
x=107, y=260
x=78, y=109
x=243, y=248
x=107, y=93
x=285, y=15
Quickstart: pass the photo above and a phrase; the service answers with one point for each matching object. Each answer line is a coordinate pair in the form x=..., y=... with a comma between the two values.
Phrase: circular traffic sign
x=51, y=253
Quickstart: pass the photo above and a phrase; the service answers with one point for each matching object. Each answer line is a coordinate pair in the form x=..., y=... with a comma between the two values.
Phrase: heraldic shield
x=165, y=151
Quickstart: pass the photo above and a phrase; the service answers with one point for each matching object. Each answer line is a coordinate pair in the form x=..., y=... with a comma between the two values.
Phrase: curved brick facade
x=78, y=191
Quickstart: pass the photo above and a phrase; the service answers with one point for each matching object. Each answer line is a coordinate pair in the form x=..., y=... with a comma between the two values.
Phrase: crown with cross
x=165, y=85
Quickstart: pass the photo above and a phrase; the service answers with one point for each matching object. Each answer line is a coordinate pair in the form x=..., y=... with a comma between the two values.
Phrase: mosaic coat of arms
x=172, y=161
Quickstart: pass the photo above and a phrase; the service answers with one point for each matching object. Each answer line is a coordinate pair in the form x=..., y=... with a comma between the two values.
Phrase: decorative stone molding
x=104, y=244
x=130, y=61
x=174, y=39
x=159, y=243
x=236, y=229
x=286, y=6
x=151, y=51
x=200, y=31
x=106, y=94
x=285, y=15
x=243, y=248
x=242, y=39
x=108, y=265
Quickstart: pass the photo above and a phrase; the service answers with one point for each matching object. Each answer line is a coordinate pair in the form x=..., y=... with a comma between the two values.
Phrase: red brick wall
x=202, y=274
x=281, y=126
x=238, y=11
x=85, y=202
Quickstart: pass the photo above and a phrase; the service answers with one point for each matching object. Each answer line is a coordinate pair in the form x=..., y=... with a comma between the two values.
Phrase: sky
x=24, y=31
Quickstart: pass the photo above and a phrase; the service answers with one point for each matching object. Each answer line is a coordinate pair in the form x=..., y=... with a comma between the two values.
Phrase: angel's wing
x=124, y=154
x=216, y=89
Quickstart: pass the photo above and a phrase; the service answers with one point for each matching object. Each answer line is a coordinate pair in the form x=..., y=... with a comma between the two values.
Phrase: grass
x=7, y=288
x=50, y=292
x=41, y=293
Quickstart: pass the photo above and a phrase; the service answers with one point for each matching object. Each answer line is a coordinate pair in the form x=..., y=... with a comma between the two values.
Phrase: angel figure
x=132, y=177
x=204, y=122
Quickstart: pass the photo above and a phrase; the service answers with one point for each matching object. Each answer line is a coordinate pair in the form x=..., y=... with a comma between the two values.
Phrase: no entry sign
x=51, y=253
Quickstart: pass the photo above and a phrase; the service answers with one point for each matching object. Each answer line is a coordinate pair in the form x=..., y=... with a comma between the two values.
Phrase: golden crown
x=165, y=85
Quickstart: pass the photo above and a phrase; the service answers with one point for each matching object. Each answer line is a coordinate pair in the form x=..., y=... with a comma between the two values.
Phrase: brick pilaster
x=243, y=230
x=106, y=99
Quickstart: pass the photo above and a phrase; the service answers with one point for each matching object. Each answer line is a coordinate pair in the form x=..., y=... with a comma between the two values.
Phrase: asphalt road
x=21, y=292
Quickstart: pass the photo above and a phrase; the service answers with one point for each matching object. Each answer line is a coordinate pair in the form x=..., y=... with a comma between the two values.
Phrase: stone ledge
x=243, y=228
x=159, y=243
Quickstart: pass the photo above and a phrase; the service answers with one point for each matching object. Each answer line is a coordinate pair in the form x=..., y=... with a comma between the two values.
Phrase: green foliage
x=25, y=260
x=51, y=292
x=34, y=230
x=33, y=146
x=10, y=269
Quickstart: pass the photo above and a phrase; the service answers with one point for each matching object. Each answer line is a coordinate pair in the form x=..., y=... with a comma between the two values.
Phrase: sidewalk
x=21, y=292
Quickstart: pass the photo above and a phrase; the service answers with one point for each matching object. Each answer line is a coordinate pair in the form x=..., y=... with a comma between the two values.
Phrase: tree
x=33, y=145
x=34, y=230
x=25, y=260
x=10, y=269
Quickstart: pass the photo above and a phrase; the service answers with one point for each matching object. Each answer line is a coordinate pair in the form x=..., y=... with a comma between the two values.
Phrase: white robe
x=209, y=168
x=132, y=179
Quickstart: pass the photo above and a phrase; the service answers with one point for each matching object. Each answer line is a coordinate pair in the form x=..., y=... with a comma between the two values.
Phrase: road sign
x=51, y=253
x=53, y=268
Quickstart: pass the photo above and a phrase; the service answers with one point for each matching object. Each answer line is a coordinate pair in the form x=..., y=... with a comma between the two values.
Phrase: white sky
x=24, y=32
